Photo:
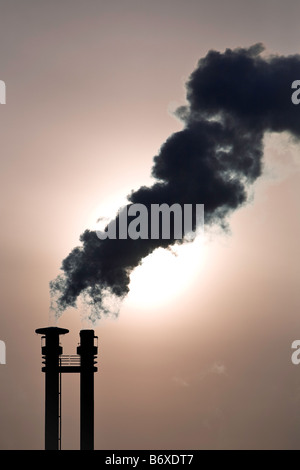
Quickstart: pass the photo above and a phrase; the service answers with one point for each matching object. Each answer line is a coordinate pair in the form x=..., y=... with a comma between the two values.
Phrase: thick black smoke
x=233, y=99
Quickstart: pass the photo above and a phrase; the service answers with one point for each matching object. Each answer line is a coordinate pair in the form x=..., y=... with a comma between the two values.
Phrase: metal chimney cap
x=86, y=332
x=52, y=330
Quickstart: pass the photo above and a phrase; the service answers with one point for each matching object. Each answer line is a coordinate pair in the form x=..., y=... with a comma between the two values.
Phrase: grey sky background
x=199, y=357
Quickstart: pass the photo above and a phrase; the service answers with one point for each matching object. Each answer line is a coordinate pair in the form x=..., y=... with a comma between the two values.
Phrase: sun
x=164, y=275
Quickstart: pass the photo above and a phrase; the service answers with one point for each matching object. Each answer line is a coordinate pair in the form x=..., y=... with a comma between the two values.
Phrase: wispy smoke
x=233, y=99
x=181, y=382
x=217, y=368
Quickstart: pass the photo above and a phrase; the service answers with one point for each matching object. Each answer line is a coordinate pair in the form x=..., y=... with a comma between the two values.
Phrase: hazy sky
x=199, y=357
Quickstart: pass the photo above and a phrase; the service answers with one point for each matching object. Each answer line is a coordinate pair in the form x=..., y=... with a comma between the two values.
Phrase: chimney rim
x=53, y=330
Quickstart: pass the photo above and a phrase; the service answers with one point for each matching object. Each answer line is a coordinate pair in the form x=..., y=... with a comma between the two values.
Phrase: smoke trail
x=233, y=99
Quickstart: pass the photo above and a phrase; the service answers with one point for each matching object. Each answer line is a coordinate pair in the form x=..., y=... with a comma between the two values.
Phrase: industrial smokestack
x=51, y=353
x=87, y=351
x=56, y=364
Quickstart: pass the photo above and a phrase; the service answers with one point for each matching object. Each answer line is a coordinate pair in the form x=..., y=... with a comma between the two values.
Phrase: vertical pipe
x=52, y=393
x=87, y=352
x=51, y=351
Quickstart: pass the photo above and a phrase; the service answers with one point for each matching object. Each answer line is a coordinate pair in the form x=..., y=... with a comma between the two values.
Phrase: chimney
x=55, y=364
x=87, y=351
x=51, y=353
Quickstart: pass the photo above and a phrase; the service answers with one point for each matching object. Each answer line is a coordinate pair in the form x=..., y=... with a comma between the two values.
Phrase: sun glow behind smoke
x=106, y=211
x=165, y=275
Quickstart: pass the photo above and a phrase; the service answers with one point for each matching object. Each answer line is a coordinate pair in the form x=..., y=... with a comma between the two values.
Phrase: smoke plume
x=233, y=99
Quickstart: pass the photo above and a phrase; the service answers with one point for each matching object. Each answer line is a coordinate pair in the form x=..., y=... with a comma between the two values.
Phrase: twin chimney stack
x=87, y=352
x=56, y=364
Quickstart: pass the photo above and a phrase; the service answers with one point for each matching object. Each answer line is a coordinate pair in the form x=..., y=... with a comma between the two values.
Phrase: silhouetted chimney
x=51, y=352
x=55, y=364
x=87, y=351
